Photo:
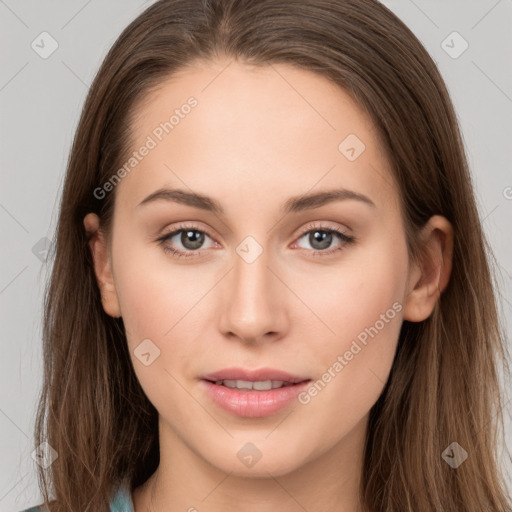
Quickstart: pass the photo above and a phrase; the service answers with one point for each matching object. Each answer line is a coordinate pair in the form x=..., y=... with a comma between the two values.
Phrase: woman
x=271, y=286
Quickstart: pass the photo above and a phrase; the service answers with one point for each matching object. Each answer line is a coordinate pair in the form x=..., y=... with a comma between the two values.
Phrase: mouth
x=253, y=393
x=259, y=385
x=262, y=379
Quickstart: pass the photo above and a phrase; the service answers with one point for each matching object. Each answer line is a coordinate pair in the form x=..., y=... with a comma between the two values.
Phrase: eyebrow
x=292, y=205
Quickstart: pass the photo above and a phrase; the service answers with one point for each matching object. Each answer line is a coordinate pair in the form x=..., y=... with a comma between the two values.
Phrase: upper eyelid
x=322, y=226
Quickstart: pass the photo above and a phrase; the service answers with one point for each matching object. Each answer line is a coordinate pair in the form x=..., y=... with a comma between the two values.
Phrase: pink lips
x=253, y=404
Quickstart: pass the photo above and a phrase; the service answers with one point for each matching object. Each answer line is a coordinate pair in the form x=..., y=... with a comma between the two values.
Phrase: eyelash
x=347, y=239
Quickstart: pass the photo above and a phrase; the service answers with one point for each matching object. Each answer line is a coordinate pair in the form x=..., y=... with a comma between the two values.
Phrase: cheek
x=157, y=317
x=348, y=297
x=154, y=292
x=165, y=303
x=156, y=299
x=354, y=347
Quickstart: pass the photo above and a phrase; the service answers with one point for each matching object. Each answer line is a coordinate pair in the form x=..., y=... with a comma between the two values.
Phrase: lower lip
x=253, y=404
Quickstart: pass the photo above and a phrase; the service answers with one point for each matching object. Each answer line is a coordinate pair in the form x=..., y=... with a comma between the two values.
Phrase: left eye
x=321, y=238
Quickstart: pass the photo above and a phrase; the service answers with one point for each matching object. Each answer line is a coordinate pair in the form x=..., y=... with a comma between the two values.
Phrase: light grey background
x=41, y=99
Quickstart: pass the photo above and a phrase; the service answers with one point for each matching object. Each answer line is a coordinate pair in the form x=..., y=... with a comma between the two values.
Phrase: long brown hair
x=444, y=384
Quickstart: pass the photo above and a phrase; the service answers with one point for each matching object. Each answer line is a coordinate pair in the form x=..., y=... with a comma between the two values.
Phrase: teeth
x=260, y=385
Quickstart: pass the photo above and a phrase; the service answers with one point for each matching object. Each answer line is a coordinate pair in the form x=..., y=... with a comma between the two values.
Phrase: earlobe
x=102, y=265
x=430, y=276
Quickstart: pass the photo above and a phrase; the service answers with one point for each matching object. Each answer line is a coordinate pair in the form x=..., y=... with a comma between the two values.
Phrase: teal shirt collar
x=122, y=500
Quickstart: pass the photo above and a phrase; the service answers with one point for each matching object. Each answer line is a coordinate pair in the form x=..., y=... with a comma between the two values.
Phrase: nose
x=254, y=302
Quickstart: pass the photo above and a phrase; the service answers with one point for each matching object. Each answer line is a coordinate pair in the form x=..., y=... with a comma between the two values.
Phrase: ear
x=430, y=276
x=102, y=265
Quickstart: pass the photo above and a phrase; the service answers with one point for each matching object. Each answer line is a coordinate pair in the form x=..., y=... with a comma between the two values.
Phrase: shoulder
x=121, y=502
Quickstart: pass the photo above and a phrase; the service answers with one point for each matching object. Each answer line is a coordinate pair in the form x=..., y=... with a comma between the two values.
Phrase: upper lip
x=260, y=374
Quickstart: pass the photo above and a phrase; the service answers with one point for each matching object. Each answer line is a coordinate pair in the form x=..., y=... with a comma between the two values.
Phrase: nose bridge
x=252, y=306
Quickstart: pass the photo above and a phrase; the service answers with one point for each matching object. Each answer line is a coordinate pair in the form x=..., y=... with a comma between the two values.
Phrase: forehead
x=271, y=128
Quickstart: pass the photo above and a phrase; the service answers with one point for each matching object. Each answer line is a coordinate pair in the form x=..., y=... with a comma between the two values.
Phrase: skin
x=257, y=137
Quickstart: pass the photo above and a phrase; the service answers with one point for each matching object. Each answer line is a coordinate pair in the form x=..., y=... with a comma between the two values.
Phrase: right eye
x=190, y=237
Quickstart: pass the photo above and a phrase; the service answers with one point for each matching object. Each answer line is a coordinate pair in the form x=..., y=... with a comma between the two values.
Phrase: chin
x=258, y=459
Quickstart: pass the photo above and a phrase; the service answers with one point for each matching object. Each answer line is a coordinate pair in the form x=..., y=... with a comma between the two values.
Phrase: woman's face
x=285, y=156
